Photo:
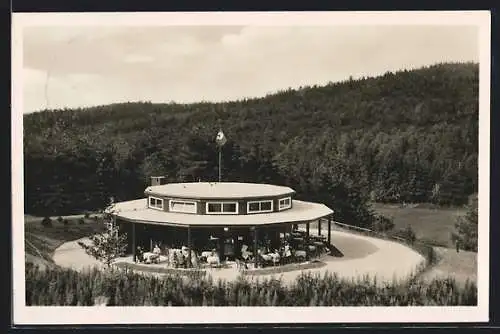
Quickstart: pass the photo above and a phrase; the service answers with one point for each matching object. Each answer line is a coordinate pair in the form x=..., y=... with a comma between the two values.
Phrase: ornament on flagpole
x=221, y=138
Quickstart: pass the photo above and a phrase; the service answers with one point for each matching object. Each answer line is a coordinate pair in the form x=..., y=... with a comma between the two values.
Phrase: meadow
x=431, y=224
x=41, y=241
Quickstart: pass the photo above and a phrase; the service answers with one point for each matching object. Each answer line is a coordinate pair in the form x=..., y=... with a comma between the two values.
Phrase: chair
x=240, y=265
x=245, y=254
x=213, y=261
x=300, y=255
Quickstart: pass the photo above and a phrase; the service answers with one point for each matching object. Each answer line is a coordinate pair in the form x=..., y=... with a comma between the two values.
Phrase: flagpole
x=220, y=140
x=220, y=163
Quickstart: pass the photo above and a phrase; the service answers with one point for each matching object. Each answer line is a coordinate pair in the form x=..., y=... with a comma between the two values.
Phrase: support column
x=319, y=226
x=277, y=237
x=134, y=255
x=329, y=230
x=189, y=246
x=307, y=239
x=116, y=229
x=222, y=240
x=255, y=233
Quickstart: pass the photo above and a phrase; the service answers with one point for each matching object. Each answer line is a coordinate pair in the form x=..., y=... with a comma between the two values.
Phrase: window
x=222, y=208
x=285, y=203
x=260, y=206
x=156, y=203
x=255, y=206
x=182, y=206
x=229, y=207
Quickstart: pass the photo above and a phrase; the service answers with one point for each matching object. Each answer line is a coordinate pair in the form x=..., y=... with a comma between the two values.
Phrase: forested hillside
x=408, y=136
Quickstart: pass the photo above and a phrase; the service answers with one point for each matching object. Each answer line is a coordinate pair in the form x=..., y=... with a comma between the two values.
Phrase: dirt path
x=364, y=255
x=383, y=259
x=71, y=255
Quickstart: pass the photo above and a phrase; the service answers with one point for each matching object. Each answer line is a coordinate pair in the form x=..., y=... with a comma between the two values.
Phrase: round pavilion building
x=222, y=216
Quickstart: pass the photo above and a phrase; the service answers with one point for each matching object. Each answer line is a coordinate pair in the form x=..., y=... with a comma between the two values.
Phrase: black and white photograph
x=291, y=167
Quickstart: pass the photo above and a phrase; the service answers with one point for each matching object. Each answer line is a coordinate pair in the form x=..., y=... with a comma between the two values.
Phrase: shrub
x=410, y=235
x=60, y=219
x=106, y=246
x=86, y=215
x=127, y=288
x=382, y=224
x=427, y=251
x=466, y=229
x=46, y=222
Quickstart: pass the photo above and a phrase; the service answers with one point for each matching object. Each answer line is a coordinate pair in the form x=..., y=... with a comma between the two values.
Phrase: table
x=150, y=257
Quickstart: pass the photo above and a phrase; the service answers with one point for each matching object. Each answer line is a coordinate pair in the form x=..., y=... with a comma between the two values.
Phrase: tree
x=46, y=221
x=382, y=223
x=108, y=245
x=198, y=160
x=409, y=234
x=393, y=137
x=466, y=229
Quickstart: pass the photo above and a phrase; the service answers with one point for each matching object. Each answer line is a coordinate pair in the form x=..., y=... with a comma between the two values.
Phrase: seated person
x=245, y=254
x=156, y=250
x=213, y=260
x=139, y=255
x=286, y=251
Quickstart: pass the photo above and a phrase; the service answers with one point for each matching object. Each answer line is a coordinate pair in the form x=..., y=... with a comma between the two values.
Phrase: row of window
x=220, y=208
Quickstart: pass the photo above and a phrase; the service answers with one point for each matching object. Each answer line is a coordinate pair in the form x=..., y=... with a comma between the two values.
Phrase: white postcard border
x=179, y=315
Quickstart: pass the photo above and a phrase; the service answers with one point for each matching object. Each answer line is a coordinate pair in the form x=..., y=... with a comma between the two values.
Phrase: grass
x=127, y=288
x=461, y=266
x=160, y=270
x=433, y=225
x=41, y=241
x=201, y=272
x=284, y=268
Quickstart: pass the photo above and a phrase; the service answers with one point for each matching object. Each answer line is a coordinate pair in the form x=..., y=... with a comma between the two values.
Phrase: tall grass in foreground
x=127, y=288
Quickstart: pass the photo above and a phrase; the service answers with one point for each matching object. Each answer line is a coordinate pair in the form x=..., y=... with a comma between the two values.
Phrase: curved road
x=363, y=255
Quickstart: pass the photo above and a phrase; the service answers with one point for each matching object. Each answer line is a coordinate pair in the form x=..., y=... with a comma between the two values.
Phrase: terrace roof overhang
x=137, y=211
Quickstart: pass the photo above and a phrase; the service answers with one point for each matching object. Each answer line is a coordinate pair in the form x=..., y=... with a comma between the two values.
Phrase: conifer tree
x=466, y=229
x=108, y=245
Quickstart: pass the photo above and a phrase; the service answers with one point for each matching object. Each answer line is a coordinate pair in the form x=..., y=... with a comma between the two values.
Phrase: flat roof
x=138, y=211
x=207, y=190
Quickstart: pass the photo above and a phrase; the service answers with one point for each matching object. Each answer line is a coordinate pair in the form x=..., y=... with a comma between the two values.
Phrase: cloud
x=41, y=90
x=137, y=58
x=98, y=65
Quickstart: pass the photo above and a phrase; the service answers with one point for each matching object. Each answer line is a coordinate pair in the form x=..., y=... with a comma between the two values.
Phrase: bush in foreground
x=127, y=288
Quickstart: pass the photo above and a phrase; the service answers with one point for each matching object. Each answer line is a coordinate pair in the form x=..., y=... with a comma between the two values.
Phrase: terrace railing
x=423, y=248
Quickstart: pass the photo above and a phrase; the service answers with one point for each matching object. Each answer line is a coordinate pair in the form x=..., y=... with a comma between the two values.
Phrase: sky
x=76, y=66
